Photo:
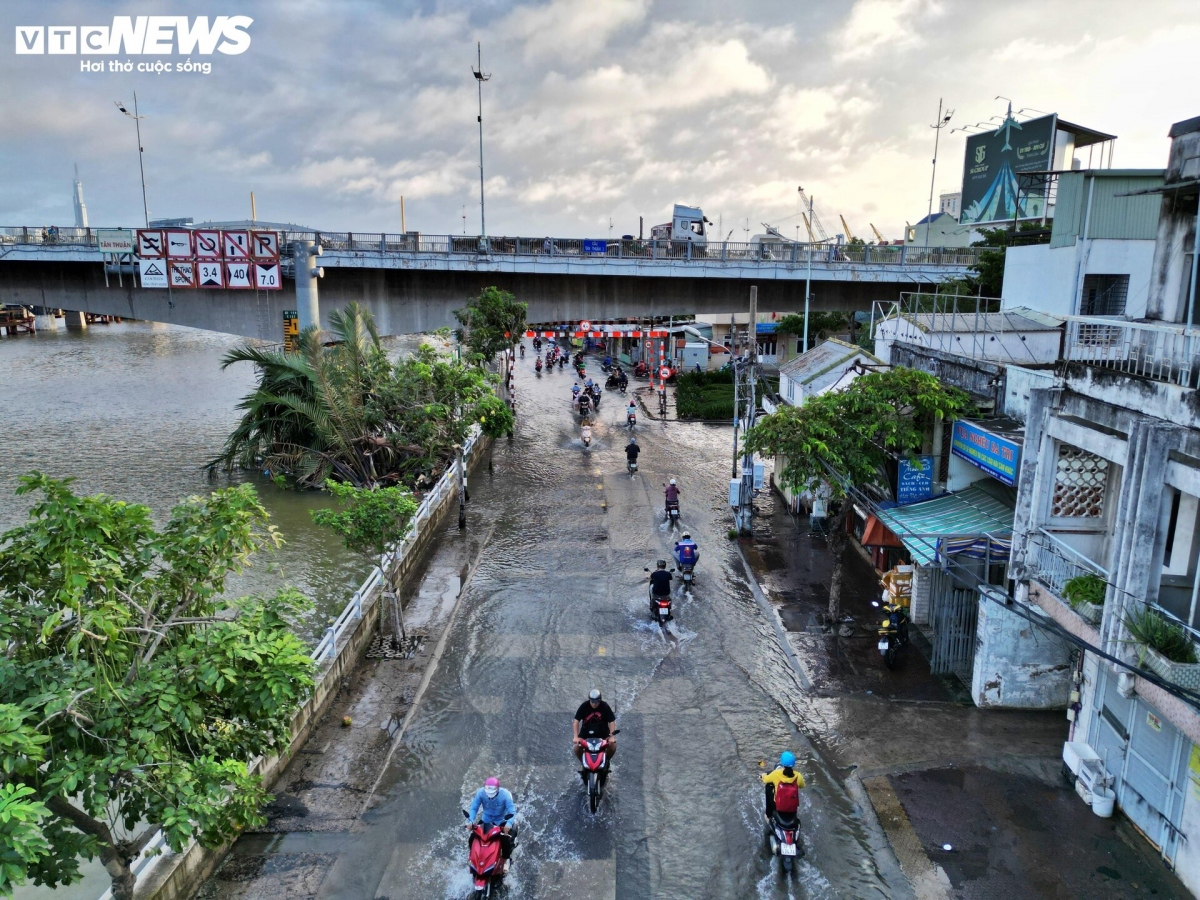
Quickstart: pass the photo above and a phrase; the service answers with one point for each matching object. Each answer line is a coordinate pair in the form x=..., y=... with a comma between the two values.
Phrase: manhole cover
x=385, y=646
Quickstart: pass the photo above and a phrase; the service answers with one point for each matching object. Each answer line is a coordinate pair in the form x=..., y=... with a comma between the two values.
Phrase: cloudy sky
x=596, y=111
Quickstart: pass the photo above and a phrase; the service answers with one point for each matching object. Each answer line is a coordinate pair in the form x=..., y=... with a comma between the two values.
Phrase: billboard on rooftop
x=991, y=191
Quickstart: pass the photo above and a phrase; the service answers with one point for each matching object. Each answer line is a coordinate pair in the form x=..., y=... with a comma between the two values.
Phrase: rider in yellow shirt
x=774, y=782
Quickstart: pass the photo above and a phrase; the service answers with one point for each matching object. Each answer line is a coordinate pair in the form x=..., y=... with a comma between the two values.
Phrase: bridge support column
x=307, y=271
x=74, y=320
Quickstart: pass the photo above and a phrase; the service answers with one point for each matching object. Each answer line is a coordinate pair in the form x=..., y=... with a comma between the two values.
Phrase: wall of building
x=1050, y=280
x=1017, y=664
x=982, y=379
x=1018, y=382
x=1005, y=347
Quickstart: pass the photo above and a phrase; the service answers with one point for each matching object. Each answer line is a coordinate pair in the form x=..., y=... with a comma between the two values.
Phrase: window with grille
x=1080, y=479
x=1104, y=295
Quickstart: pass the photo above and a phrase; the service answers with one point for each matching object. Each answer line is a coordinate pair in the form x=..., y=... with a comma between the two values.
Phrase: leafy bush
x=705, y=395
x=1082, y=589
x=1172, y=640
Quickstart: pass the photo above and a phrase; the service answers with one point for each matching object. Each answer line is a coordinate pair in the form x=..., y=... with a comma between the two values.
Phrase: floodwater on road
x=134, y=410
x=558, y=605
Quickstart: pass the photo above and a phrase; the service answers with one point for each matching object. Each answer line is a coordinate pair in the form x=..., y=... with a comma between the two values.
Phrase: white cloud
x=877, y=25
x=569, y=29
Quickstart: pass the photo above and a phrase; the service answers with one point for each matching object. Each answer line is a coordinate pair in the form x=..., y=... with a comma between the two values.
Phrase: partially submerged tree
x=840, y=440
x=348, y=412
x=491, y=322
x=370, y=522
x=131, y=690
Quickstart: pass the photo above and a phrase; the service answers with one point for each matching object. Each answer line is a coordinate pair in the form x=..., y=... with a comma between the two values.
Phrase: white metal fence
x=1161, y=351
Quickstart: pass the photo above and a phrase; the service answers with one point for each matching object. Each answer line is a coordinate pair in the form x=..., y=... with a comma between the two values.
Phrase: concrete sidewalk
x=930, y=766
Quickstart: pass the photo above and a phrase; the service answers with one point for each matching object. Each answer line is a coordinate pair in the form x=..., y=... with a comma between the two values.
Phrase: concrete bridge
x=411, y=282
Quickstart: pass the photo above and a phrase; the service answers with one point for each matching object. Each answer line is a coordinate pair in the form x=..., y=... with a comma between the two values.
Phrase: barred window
x=1079, y=483
x=1104, y=295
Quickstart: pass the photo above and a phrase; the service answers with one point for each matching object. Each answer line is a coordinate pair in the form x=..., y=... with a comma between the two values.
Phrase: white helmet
x=672, y=481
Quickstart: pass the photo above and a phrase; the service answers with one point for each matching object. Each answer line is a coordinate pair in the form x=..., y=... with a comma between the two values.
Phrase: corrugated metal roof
x=969, y=513
x=1117, y=211
x=821, y=358
x=1019, y=318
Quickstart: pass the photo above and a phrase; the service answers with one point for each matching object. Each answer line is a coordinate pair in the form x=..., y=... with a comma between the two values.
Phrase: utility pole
x=749, y=373
x=137, y=121
x=937, y=127
x=480, y=78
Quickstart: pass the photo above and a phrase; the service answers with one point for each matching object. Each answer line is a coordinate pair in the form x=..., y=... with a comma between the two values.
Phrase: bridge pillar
x=305, y=255
x=74, y=320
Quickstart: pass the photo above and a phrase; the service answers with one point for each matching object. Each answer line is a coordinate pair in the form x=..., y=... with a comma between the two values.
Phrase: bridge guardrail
x=770, y=252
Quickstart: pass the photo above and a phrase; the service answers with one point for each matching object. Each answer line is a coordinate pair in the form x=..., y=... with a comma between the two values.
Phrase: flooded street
x=557, y=605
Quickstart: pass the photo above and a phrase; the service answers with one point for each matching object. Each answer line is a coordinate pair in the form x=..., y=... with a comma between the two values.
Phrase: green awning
x=972, y=522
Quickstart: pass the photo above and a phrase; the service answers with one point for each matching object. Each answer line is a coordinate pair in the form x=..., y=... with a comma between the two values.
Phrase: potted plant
x=1085, y=593
x=1167, y=649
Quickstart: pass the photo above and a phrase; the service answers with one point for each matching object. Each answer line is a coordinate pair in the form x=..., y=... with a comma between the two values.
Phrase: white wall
x=1018, y=381
x=1045, y=278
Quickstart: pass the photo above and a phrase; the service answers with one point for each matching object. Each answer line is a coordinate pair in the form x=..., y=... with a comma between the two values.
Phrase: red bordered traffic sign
x=208, y=245
x=664, y=373
x=210, y=273
x=267, y=277
x=264, y=244
x=182, y=273
x=236, y=244
x=585, y=326
x=238, y=275
x=150, y=244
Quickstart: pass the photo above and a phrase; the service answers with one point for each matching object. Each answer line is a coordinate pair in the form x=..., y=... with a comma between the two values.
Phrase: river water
x=134, y=410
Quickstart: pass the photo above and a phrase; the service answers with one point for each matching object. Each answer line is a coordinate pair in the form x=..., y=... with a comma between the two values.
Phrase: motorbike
x=686, y=573
x=522, y=351
x=485, y=859
x=641, y=370
x=893, y=632
x=606, y=366
x=585, y=404
x=631, y=465
x=672, y=511
x=612, y=382
x=784, y=838
x=630, y=419
x=562, y=361
x=595, y=768
x=660, y=607
x=595, y=397
x=537, y=366
x=585, y=434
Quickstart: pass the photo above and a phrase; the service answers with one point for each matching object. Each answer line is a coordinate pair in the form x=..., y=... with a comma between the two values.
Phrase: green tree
x=344, y=410
x=370, y=522
x=841, y=439
x=491, y=322
x=131, y=690
x=820, y=325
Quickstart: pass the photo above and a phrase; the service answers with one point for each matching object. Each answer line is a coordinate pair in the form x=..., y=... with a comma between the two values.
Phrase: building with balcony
x=1106, y=533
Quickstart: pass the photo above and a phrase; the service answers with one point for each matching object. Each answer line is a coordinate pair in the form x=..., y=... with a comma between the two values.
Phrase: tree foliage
x=491, y=322
x=820, y=325
x=369, y=521
x=131, y=690
x=348, y=412
x=841, y=439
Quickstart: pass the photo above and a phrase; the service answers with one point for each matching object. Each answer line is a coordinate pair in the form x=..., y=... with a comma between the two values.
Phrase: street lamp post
x=137, y=122
x=808, y=276
x=480, y=78
x=942, y=122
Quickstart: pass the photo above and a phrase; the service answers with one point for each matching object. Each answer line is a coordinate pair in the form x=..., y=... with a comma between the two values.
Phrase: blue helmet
x=787, y=759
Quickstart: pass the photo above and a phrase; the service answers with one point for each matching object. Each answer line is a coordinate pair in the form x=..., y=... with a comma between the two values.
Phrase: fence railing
x=1055, y=562
x=370, y=590
x=547, y=247
x=1162, y=352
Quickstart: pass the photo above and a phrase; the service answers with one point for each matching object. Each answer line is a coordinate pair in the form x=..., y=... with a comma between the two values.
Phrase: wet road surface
x=557, y=605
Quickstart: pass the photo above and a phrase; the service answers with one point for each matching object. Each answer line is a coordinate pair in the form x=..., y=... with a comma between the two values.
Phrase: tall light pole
x=480, y=78
x=808, y=276
x=137, y=122
x=942, y=122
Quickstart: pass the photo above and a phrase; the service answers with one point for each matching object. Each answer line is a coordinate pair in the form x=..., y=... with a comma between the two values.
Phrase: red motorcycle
x=485, y=858
x=595, y=768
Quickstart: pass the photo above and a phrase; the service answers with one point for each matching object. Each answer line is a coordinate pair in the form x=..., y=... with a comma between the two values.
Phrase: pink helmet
x=491, y=787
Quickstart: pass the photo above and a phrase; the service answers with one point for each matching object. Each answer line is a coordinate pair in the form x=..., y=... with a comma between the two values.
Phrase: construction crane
x=879, y=237
x=816, y=231
x=846, y=228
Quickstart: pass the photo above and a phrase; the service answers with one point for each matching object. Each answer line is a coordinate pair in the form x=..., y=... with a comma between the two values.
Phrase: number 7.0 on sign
x=266, y=276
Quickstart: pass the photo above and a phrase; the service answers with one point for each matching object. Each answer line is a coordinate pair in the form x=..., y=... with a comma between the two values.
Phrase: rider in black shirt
x=594, y=719
x=660, y=580
x=632, y=450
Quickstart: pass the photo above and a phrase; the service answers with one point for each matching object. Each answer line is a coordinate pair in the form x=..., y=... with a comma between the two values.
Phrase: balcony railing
x=1054, y=562
x=1160, y=351
x=766, y=252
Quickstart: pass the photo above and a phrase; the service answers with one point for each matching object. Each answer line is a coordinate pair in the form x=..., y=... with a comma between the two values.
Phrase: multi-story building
x=1108, y=504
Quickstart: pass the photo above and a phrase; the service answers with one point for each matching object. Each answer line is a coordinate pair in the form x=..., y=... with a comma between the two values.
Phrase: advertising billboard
x=992, y=453
x=993, y=162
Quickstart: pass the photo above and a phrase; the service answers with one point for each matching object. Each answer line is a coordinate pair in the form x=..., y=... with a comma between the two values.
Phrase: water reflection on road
x=557, y=606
